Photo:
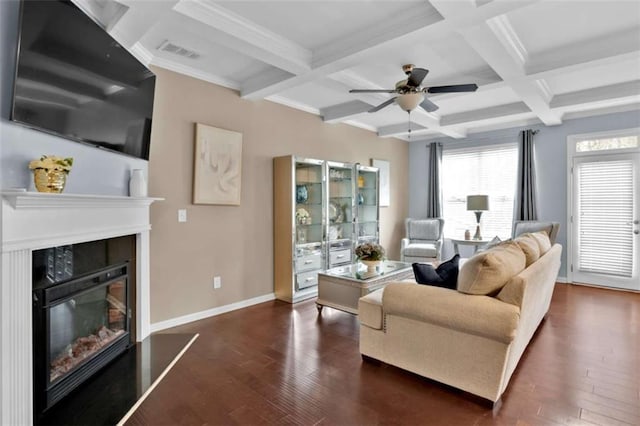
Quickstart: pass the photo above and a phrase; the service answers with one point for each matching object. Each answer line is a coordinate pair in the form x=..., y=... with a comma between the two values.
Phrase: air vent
x=167, y=46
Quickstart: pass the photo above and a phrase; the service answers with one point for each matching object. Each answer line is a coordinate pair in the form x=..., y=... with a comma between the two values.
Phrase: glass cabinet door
x=368, y=204
x=340, y=213
x=309, y=221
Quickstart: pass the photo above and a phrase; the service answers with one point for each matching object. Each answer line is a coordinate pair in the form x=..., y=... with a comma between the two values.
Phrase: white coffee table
x=341, y=287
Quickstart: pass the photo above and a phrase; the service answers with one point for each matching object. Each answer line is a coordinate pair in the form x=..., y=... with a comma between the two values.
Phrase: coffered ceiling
x=534, y=61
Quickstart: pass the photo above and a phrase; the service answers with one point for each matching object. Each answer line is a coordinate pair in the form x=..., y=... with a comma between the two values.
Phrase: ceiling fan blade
x=372, y=91
x=428, y=106
x=416, y=77
x=453, y=88
x=382, y=105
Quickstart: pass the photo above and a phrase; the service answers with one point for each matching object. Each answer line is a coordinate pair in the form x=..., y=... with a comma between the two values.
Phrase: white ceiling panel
x=316, y=23
x=587, y=78
x=483, y=98
x=553, y=24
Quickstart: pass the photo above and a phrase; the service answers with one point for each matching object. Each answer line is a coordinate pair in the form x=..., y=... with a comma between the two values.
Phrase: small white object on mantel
x=137, y=184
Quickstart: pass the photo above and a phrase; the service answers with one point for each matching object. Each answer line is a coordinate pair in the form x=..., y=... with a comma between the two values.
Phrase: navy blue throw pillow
x=445, y=275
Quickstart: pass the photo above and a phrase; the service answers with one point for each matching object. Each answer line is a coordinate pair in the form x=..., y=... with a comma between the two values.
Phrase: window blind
x=489, y=170
x=605, y=212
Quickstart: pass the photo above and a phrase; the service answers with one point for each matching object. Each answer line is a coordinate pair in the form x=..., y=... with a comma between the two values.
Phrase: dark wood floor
x=276, y=363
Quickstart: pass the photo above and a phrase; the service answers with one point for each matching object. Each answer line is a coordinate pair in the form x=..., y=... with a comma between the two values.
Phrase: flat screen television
x=74, y=80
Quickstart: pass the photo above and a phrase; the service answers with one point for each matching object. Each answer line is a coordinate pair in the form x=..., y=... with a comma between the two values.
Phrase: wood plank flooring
x=276, y=363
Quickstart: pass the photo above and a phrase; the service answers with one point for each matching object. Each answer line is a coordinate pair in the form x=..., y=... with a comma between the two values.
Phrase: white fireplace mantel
x=32, y=221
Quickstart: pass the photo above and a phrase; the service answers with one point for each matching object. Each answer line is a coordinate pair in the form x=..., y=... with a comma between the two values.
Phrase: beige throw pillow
x=543, y=241
x=487, y=272
x=530, y=247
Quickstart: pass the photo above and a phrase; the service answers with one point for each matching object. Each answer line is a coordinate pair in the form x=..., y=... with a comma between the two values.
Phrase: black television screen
x=74, y=80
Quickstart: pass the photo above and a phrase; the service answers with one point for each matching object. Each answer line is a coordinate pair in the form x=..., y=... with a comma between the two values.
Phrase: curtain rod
x=481, y=140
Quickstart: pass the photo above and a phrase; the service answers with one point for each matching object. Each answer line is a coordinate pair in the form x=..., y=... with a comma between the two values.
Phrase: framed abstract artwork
x=217, y=170
x=383, y=167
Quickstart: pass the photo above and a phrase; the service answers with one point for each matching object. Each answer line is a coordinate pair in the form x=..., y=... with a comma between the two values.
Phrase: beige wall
x=236, y=242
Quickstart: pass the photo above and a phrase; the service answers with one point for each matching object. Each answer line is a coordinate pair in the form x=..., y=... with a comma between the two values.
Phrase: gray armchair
x=423, y=241
x=524, y=226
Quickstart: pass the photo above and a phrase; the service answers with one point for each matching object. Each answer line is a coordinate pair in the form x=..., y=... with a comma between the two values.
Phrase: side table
x=475, y=243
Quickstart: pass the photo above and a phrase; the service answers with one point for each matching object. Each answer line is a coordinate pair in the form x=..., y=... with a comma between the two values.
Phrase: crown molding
x=247, y=37
x=292, y=104
x=193, y=72
x=506, y=34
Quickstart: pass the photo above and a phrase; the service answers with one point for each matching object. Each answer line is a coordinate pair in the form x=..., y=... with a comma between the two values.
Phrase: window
x=489, y=170
x=607, y=143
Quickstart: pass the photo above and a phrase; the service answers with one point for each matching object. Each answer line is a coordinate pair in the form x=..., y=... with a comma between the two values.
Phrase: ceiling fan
x=411, y=93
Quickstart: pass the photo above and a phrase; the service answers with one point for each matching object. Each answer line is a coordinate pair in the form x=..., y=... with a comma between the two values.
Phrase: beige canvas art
x=218, y=166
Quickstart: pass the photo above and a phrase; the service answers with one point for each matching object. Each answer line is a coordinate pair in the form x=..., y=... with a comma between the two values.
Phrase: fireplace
x=35, y=221
x=81, y=313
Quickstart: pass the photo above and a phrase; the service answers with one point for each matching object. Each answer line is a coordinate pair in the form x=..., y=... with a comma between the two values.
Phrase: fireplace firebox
x=81, y=314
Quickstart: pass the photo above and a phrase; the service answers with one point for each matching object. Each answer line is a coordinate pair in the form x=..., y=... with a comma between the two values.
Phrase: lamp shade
x=477, y=202
x=409, y=101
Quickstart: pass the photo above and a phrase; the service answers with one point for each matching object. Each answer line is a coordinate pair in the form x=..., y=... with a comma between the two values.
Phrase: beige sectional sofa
x=464, y=338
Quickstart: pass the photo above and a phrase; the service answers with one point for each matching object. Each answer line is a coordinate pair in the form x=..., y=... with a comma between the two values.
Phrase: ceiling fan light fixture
x=409, y=101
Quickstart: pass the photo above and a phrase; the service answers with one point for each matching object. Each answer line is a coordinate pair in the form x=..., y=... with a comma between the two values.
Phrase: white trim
x=563, y=280
x=292, y=104
x=41, y=200
x=196, y=316
x=155, y=383
x=571, y=154
x=194, y=73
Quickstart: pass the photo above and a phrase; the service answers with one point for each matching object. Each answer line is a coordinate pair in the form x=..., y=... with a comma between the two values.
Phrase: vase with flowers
x=50, y=173
x=303, y=217
x=370, y=254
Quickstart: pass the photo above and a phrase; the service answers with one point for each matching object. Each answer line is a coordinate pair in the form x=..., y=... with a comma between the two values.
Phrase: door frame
x=571, y=154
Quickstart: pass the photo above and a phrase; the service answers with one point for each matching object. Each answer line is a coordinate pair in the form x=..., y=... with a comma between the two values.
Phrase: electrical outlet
x=217, y=282
x=182, y=215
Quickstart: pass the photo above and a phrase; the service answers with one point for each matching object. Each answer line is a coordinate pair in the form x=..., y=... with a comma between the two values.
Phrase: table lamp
x=477, y=204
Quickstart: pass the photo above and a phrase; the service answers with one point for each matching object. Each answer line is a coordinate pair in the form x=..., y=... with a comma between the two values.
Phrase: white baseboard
x=562, y=280
x=174, y=322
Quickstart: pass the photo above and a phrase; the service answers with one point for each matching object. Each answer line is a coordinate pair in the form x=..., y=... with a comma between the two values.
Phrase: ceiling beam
x=396, y=130
x=485, y=113
x=597, y=94
x=497, y=44
x=345, y=111
x=621, y=46
x=247, y=37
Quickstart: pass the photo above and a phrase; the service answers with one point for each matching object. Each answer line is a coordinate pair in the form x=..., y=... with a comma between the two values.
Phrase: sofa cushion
x=543, y=241
x=487, y=272
x=478, y=315
x=421, y=250
x=370, y=309
x=445, y=275
x=530, y=247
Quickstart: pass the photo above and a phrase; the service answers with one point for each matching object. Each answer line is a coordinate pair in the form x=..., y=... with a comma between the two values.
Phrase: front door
x=605, y=218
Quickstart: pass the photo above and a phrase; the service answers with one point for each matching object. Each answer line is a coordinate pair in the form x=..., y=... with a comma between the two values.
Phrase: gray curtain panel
x=434, y=194
x=526, y=205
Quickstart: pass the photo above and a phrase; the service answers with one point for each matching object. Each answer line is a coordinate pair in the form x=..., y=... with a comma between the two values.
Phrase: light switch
x=182, y=215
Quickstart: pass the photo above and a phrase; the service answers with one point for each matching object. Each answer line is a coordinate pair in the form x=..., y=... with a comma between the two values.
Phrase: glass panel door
x=309, y=222
x=340, y=213
x=606, y=215
x=368, y=204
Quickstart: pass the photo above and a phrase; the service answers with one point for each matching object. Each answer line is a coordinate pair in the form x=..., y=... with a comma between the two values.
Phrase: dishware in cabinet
x=367, y=224
x=340, y=211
